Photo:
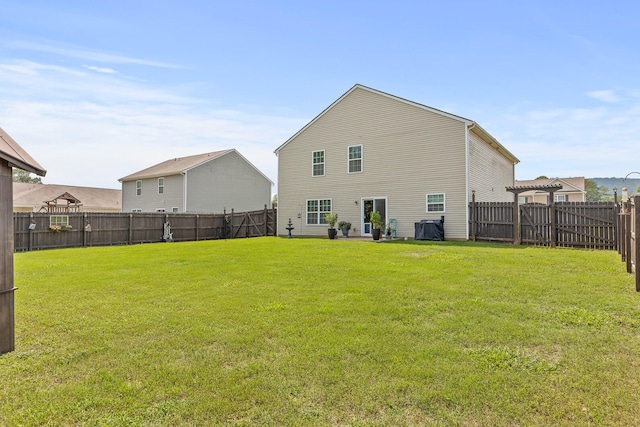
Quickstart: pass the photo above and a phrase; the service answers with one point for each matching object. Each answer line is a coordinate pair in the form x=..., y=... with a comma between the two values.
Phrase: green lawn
x=275, y=331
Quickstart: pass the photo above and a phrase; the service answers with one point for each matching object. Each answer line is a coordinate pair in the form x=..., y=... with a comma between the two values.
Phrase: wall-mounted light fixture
x=356, y=202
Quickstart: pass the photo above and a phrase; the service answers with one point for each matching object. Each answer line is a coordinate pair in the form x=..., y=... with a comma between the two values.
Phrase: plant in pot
x=331, y=219
x=376, y=224
x=345, y=226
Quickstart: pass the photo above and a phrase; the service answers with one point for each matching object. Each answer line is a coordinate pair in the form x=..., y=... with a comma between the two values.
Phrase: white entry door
x=378, y=204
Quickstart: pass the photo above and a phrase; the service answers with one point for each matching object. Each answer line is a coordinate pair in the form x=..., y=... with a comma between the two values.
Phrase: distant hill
x=611, y=183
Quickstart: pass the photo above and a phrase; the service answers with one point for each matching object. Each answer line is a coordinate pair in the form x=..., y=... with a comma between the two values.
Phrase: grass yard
x=273, y=331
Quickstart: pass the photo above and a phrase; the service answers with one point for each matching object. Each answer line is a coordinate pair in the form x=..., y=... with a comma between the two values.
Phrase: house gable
x=406, y=153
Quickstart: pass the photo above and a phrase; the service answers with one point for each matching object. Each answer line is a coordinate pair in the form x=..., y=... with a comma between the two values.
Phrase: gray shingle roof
x=174, y=166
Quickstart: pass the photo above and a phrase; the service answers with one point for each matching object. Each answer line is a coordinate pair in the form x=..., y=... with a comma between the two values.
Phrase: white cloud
x=100, y=69
x=86, y=54
x=604, y=96
x=90, y=129
x=573, y=141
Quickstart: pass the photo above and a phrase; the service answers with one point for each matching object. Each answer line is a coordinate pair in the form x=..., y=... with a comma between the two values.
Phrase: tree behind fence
x=32, y=230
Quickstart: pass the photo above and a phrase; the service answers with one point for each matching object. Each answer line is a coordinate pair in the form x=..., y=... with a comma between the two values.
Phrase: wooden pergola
x=517, y=190
x=63, y=203
x=11, y=155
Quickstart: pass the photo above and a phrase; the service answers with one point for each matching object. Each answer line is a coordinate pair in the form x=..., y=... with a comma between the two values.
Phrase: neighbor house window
x=318, y=163
x=522, y=200
x=355, y=158
x=136, y=210
x=59, y=220
x=316, y=209
x=160, y=185
x=138, y=188
x=559, y=197
x=435, y=202
x=174, y=210
x=160, y=210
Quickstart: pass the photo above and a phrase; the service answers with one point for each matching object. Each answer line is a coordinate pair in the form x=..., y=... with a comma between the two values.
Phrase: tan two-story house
x=372, y=151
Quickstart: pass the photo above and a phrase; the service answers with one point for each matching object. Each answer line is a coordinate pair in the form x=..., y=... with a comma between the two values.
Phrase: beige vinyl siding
x=227, y=182
x=489, y=172
x=408, y=152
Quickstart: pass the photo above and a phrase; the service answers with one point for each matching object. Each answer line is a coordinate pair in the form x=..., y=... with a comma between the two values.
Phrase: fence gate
x=535, y=224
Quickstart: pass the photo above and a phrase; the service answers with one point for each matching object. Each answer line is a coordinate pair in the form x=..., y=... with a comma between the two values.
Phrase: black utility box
x=430, y=229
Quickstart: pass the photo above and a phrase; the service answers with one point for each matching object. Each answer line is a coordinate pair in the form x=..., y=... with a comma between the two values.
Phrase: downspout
x=184, y=191
x=467, y=184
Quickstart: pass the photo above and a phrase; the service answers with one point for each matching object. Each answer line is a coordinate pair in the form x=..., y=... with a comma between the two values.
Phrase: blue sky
x=97, y=90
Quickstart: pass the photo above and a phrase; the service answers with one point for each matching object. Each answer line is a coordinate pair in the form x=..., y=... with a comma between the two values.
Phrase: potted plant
x=331, y=219
x=376, y=224
x=345, y=226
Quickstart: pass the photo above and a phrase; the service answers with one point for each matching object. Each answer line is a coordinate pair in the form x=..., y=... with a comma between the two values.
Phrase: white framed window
x=174, y=210
x=160, y=185
x=435, y=202
x=59, y=220
x=522, y=200
x=317, y=163
x=559, y=197
x=355, y=159
x=138, y=188
x=136, y=210
x=316, y=209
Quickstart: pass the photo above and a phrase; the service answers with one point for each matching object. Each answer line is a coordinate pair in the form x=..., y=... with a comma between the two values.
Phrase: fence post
x=231, y=223
x=197, y=227
x=30, y=243
x=636, y=239
x=130, y=228
x=266, y=221
x=553, y=219
x=474, y=216
x=275, y=220
x=516, y=220
x=627, y=238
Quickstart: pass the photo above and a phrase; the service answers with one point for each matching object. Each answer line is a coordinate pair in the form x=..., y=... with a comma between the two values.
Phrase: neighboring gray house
x=209, y=182
x=370, y=150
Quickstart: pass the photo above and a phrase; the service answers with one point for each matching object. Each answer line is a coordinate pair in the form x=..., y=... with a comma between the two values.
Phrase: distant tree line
x=20, y=175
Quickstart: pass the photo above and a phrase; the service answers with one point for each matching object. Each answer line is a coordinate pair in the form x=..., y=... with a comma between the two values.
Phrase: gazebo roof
x=64, y=196
x=15, y=155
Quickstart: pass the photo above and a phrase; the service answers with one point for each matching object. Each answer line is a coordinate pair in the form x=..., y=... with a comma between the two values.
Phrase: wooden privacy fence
x=33, y=231
x=629, y=247
x=570, y=224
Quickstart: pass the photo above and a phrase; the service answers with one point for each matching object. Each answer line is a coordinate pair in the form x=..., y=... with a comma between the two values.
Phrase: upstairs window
x=138, y=188
x=435, y=202
x=317, y=163
x=560, y=197
x=160, y=185
x=355, y=158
